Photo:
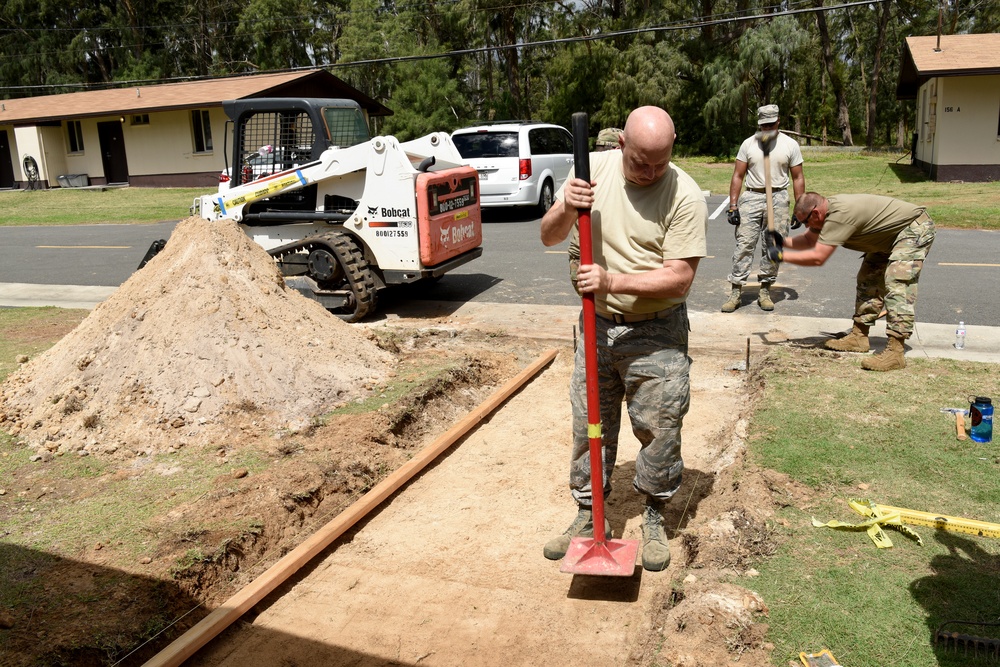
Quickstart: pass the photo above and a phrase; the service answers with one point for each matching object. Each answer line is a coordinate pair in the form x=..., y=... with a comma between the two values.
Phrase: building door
x=6, y=166
x=113, y=152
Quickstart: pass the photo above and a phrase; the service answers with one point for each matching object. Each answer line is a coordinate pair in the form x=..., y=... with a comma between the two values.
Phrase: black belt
x=762, y=190
x=631, y=318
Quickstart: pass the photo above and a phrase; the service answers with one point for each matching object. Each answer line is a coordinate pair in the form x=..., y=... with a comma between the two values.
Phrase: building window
x=74, y=132
x=139, y=119
x=202, y=127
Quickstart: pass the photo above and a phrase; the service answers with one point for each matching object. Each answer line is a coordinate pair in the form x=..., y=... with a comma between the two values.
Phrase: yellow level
x=941, y=521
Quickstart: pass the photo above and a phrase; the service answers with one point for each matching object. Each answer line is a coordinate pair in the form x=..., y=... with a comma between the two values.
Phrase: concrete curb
x=715, y=329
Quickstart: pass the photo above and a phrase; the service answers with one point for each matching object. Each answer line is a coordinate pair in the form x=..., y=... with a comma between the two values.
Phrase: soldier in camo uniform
x=895, y=237
x=649, y=228
x=748, y=211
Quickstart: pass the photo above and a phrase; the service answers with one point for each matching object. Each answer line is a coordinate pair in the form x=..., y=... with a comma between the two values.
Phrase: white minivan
x=520, y=163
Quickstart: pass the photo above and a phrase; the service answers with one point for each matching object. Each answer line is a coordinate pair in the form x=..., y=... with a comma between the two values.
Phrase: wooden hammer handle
x=959, y=426
x=767, y=190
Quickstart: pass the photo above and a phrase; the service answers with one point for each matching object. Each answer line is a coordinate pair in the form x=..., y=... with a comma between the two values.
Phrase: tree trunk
x=843, y=114
x=883, y=23
x=512, y=65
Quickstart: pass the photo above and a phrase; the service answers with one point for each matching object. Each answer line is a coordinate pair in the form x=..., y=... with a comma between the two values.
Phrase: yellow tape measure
x=941, y=521
x=887, y=516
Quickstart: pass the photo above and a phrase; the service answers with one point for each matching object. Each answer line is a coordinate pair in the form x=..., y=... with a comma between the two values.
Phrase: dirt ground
x=451, y=572
x=199, y=407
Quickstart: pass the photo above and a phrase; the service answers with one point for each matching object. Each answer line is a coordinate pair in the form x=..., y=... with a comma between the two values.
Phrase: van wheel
x=546, y=198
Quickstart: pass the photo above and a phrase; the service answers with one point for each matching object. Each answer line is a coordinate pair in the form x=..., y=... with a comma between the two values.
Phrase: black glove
x=794, y=222
x=733, y=217
x=775, y=245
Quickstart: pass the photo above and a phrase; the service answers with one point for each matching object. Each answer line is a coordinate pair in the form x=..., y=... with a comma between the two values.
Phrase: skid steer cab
x=345, y=215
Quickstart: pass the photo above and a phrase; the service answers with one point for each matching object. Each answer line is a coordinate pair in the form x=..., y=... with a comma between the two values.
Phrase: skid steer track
x=331, y=269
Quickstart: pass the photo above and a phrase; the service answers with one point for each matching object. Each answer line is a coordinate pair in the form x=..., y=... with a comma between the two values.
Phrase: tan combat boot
x=734, y=299
x=764, y=298
x=582, y=526
x=891, y=358
x=856, y=341
x=655, y=547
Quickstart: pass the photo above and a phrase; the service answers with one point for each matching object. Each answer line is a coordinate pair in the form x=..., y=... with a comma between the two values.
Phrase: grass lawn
x=849, y=434
x=75, y=206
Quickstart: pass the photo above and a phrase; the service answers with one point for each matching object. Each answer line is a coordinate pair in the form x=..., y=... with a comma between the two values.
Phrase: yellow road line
x=963, y=264
x=86, y=247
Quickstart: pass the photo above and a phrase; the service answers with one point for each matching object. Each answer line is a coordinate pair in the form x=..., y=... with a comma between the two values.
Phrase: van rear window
x=486, y=144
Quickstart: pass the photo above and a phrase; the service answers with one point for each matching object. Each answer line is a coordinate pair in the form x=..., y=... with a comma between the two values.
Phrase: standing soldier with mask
x=748, y=212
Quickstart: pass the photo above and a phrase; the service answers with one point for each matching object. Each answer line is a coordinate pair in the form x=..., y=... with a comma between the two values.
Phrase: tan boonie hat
x=767, y=114
x=608, y=137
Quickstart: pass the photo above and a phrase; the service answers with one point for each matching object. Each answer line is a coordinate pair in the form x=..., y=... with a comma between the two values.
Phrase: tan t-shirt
x=866, y=223
x=634, y=229
x=784, y=155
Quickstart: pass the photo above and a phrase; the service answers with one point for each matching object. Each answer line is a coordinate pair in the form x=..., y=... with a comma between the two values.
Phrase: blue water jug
x=981, y=416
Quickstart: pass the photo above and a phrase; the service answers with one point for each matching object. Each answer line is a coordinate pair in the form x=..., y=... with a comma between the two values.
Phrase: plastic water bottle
x=981, y=416
x=960, y=336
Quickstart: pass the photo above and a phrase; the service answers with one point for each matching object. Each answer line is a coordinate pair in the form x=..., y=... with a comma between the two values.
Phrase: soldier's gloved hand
x=775, y=243
x=733, y=217
x=794, y=222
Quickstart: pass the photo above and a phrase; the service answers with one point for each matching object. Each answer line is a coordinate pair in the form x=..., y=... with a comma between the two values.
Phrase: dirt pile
x=206, y=332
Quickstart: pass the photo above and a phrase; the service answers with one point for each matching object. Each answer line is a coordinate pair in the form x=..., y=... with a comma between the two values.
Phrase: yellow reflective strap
x=594, y=430
x=879, y=537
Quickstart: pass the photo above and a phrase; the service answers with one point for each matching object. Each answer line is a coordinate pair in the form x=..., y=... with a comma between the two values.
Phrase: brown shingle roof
x=960, y=55
x=185, y=95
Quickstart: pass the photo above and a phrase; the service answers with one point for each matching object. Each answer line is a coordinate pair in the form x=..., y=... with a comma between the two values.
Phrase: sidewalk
x=714, y=329
x=61, y=296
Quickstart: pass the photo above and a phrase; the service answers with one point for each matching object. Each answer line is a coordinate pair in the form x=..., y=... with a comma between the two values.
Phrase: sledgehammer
x=765, y=146
x=959, y=421
x=598, y=555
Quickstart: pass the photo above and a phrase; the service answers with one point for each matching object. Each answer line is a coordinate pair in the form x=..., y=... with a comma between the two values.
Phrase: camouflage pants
x=889, y=279
x=753, y=224
x=645, y=364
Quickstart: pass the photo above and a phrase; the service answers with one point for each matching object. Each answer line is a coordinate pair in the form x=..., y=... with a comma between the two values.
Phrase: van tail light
x=524, y=169
x=223, y=177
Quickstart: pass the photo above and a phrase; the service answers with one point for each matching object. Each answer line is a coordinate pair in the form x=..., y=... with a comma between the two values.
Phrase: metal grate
x=966, y=644
x=273, y=142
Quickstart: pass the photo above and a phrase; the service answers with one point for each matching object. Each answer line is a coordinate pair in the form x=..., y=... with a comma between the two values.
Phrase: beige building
x=955, y=80
x=147, y=135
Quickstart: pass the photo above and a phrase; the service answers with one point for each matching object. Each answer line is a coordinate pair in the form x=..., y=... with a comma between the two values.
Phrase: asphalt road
x=956, y=283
